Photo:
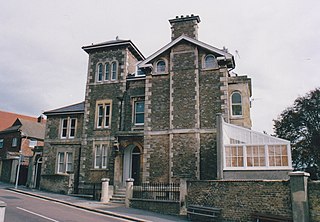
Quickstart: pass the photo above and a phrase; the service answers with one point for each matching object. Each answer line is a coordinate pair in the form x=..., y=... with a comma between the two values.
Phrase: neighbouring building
x=20, y=140
x=154, y=119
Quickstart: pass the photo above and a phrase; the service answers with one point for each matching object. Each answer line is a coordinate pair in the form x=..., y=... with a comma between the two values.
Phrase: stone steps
x=119, y=196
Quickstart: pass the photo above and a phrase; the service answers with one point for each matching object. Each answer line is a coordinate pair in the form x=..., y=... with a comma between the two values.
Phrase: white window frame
x=100, y=155
x=107, y=72
x=236, y=104
x=64, y=162
x=267, y=165
x=1, y=143
x=68, y=128
x=103, y=118
x=163, y=68
x=135, y=101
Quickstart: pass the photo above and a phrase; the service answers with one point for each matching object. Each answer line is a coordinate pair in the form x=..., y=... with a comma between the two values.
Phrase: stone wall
x=164, y=207
x=239, y=199
x=61, y=183
x=314, y=200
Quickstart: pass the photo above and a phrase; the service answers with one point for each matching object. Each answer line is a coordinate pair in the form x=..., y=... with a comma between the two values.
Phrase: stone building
x=151, y=119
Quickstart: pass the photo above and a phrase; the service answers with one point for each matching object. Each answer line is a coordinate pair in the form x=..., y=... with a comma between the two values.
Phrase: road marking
x=39, y=215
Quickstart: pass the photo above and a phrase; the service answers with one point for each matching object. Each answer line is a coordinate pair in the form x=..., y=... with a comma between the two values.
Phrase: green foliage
x=300, y=124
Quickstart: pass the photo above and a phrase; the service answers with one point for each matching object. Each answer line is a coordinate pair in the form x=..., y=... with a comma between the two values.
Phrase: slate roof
x=75, y=108
x=115, y=43
x=28, y=128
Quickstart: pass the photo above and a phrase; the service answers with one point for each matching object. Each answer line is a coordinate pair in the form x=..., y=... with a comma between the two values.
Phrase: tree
x=300, y=124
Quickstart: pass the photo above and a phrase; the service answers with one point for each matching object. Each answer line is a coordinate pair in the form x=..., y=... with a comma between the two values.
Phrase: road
x=24, y=208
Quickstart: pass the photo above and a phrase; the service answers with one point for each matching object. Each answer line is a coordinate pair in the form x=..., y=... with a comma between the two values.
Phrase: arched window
x=99, y=74
x=161, y=66
x=210, y=62
x=107, y=71
x=236, y=104
x=113, y=71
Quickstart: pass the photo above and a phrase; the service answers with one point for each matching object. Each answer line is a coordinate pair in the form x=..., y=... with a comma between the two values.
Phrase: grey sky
x=43, y=67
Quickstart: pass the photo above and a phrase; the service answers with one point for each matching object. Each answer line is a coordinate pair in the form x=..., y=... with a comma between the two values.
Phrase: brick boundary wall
x=239, y=199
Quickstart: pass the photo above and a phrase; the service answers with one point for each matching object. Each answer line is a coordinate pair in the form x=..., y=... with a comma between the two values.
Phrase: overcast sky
x=42, y=66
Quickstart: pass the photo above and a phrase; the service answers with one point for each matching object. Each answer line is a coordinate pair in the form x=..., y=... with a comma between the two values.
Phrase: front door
x=135, y=170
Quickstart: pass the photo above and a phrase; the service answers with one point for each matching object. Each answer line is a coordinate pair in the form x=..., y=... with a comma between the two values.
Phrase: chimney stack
x=184, y=25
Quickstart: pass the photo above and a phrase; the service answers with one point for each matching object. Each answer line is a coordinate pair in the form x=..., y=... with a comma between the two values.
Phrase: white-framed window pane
x=236, y=103
x=97, y=159
x=104, y=156
x=60, y=162
x=107, y=71
x=100, y=72
x=161, y=66
x=1, y=143
x=234, y=156
x=255, y=156
x=107, y=115
x=100, y=116
x=64, y=128
x=210, y=62
x=278, y=155
x=72, y=128
x=139, y=112
x=69, y=164
x=114, y=70
x=14, y=142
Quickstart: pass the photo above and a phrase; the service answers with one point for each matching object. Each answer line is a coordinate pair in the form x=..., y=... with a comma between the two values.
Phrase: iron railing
x=157, y=191
x=91, y=189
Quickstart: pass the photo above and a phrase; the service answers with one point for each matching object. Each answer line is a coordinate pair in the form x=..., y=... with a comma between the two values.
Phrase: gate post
x=105, y=190
x=183, y=193
x=299, y=196
x=129, y=191
x=2, y=210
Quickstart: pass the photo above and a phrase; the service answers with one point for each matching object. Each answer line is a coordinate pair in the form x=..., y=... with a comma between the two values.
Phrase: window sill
x=160, y=73
x=208, y=69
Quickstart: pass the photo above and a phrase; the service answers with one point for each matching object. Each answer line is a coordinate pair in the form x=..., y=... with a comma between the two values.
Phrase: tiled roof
x=8, y=118
x=28, y=128
x=75, y=108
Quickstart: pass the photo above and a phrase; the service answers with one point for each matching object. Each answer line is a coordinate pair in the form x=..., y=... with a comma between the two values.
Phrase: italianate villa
x=179, y=113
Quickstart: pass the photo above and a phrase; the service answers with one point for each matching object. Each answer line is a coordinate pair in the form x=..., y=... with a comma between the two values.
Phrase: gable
x=182, y=43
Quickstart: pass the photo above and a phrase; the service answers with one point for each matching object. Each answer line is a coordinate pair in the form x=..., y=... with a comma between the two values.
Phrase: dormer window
x=236, y=104
x=210, y=62
x=161, y=66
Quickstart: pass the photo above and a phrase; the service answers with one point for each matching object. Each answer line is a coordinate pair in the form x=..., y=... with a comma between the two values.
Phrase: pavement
x=113, y=209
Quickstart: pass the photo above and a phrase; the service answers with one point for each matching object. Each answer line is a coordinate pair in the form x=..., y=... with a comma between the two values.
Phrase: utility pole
x=18, y=171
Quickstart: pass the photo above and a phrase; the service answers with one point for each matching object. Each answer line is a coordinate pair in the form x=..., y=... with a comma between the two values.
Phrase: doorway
x=131, y=164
